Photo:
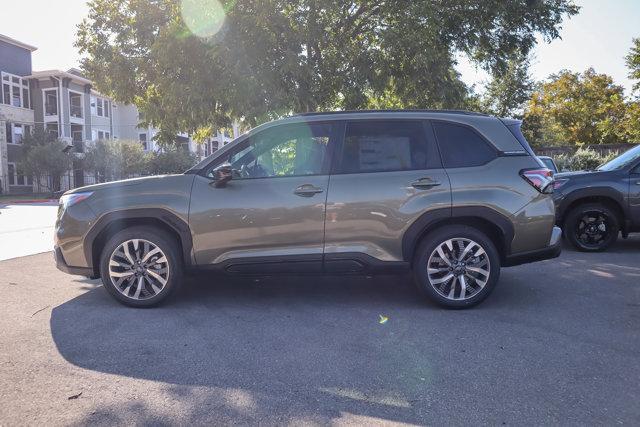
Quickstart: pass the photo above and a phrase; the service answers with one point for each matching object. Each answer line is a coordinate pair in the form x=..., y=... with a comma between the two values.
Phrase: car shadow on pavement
x=290, y=344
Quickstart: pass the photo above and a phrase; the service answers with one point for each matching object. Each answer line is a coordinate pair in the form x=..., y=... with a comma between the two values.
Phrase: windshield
x=622, y=161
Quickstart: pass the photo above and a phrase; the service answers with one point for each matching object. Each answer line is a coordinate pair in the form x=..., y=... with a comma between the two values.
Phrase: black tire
x=168, y=247
x=428, y=247
x=586, y=240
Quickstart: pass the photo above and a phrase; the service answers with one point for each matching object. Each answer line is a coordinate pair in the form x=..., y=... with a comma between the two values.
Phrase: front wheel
x=456, y=266
x=591, y=227
x=140, y=266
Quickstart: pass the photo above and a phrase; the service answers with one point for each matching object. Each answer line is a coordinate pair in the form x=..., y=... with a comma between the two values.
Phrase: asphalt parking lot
x=558, y=342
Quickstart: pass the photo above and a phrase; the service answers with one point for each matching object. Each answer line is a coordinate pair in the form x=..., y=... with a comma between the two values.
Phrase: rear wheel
x=456, y=266
x=140, y=266
x=591, y=227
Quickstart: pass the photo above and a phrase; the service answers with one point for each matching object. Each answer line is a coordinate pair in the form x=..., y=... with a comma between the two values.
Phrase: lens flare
x=203, y=17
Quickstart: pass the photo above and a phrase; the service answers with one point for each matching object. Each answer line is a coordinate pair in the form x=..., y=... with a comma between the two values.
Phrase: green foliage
x=633, y=62
x=273, y=57
x=583, y=159
x=111, y=160
x=176, y=160
x=576, y=109
x=44, y=156
x=507, y=92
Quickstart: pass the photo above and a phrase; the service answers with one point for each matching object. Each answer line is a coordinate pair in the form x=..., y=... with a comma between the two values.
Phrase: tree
x=575, y=109
x=189, y=64
x=509, y=90
x=633, y=62
x=111, y=160
x=45, y=158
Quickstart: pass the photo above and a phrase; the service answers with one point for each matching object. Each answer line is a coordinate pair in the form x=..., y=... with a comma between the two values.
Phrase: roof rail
x=322, y=113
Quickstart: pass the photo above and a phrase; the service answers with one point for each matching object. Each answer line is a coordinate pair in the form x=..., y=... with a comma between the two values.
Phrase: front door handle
x=425, y=183
x=307, y=190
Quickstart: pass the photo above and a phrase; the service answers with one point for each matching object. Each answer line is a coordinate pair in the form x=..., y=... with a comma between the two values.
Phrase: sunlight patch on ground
x=389, y=400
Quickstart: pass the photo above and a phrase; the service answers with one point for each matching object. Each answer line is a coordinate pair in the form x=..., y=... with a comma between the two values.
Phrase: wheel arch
x=113, y=222
x=604, y=195
x=495, y=225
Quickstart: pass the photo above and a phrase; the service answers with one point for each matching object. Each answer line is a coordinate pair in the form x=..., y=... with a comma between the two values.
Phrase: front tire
x=456, y=266
x=140, y=266
x=591, y=227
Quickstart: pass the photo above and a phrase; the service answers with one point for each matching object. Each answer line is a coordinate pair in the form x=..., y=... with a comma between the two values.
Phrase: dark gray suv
x=451, y=195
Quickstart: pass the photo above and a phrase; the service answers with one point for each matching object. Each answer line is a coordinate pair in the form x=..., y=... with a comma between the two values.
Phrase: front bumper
x=549, y=252
x=78, y=271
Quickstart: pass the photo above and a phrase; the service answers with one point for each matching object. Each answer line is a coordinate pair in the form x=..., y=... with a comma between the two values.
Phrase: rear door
x=386, y=174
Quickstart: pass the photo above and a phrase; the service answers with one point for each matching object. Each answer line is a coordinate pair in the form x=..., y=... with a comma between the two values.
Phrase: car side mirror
x=222, y=174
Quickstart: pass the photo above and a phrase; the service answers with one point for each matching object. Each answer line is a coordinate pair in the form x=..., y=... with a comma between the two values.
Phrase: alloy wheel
x=458, y=269
x=138, y=269
x=593, y=228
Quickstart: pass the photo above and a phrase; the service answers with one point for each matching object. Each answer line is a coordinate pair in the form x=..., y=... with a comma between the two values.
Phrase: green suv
x=450, y=195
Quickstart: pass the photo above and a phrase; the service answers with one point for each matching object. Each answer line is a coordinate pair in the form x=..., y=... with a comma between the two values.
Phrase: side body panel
x=167, y=195
x=369, y=213
x=254, y=218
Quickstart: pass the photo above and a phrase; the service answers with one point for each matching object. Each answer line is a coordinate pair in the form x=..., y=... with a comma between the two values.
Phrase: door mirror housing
x=222, y=174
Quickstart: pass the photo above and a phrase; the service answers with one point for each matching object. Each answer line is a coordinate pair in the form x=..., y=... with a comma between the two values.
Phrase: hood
x=579, y=174
x=119, y=184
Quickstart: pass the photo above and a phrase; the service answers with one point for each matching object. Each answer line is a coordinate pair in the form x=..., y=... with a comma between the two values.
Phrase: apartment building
x=16, y=113
x=65, y=104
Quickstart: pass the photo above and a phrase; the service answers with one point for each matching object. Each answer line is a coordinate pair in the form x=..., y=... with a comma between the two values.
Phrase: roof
x=325, y=113
x=15, y=42
x=59, y=73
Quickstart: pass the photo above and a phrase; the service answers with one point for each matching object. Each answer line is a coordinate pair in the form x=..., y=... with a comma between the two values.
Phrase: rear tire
x=591, y=227
x=456, y=266
x=140, y=266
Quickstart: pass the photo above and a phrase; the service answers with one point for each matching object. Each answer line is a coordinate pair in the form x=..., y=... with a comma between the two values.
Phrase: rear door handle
x=307, y=190
x=425, y=183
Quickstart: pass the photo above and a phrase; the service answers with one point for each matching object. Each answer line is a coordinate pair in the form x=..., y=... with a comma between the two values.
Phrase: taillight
x=541, y=179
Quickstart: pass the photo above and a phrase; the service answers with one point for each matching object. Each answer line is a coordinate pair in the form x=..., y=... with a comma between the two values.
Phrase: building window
x=107, y=135
x=50, y=102
x=99, y=107
x=52, y=130
x=100, y=135
x=15, y=91
x=75, y=104
x=16, y=132
x=12, y=174
x=143, y=140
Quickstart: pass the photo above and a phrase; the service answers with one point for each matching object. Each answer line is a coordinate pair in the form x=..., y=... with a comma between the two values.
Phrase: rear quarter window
x=461, y=146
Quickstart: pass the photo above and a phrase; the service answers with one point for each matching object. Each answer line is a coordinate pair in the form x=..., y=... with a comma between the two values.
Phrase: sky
x=599, y=37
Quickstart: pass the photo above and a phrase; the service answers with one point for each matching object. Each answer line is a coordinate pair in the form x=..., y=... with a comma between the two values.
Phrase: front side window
x=460, y=146
x=383, y=146
x=288, y=150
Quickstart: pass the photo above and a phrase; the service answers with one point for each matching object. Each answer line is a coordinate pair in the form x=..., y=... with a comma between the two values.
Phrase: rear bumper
x=549, y=252
x=62, y=266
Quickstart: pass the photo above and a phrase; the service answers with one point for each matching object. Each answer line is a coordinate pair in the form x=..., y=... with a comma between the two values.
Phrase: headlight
x=559, y=183
x=68, y=200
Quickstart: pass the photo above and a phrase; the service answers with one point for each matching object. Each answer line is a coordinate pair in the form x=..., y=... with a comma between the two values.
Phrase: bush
x=115, y=159
x=582, y=160
x=170, y=161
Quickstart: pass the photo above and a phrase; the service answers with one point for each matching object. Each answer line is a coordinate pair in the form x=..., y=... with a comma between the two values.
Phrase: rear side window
x=460, y=146
x=383, y=146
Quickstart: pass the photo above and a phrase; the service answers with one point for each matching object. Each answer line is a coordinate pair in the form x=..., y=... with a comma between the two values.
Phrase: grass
x=12, y=197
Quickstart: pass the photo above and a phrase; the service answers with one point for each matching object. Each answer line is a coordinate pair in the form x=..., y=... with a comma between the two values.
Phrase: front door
x=272, y=211
x=387, y=175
